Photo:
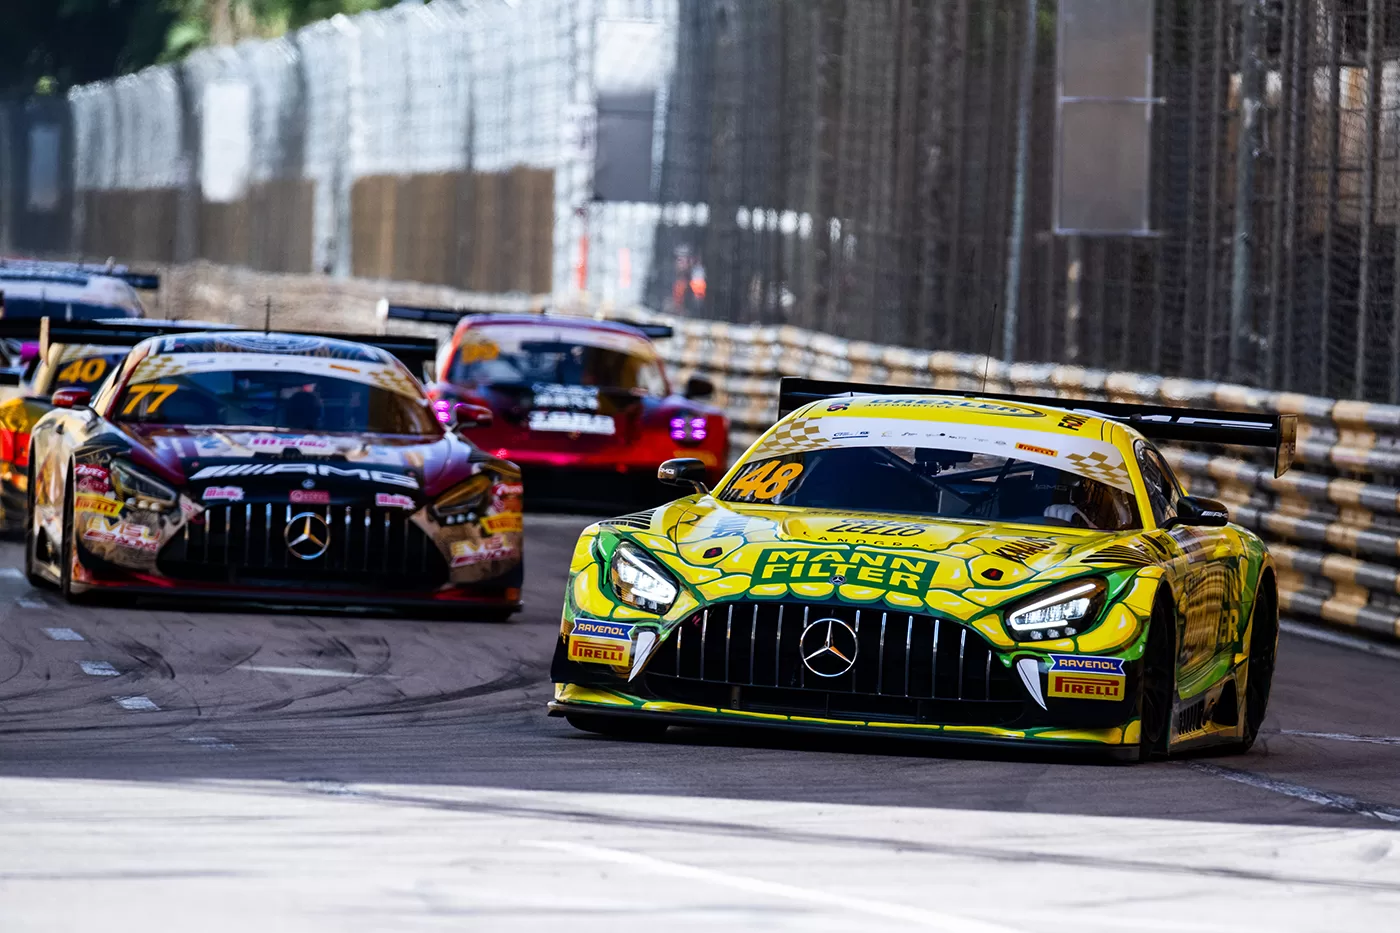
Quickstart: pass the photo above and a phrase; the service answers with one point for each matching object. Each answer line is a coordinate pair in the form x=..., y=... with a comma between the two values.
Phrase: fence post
x=1018, y=210
x=1241, y=325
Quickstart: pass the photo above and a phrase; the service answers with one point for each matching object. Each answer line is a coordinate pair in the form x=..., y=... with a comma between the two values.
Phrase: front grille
x=914, y=668
x=369, y=548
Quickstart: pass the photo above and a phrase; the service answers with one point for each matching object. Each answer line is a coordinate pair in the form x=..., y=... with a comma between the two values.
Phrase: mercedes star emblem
x=829, y=647
x=307, y=535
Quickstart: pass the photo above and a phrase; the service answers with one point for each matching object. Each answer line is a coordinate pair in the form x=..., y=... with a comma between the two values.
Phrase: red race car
x=583, y=406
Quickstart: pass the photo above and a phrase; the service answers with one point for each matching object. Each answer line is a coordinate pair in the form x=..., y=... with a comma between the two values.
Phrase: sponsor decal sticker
x=1088, y=664
x=1086, y=686
x=224, y=494
x=1073, y=422
x=1020, y=550
x=382, y=477
x=310, y=497
x=466, y=553
x=579, y=398
x=92, y=478
x=572, y=422
x=878, y=529
x=277, y=442
x=99, y=505
x=126, y=535
x=991, y=408
x=393, y=500
x=505, y=497
x=1086, y=677
x=506, y=521
x=910, y=575
x=600, y=642
x=1043, y=451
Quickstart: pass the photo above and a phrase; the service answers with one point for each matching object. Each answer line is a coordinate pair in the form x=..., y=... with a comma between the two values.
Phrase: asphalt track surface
x=220, y=768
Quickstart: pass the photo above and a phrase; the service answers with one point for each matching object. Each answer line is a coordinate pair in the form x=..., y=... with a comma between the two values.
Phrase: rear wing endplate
x=1277, y=432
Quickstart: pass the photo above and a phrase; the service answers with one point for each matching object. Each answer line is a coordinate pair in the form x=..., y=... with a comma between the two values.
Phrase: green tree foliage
x=48, y=45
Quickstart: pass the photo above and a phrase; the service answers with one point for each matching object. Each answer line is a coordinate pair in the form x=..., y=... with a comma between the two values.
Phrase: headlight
x=454, y=507
x=1060, y=613
x=141, y=491
x=639, y=581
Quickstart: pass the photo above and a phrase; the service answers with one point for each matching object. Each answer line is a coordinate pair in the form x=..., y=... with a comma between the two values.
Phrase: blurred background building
x=1205, y=189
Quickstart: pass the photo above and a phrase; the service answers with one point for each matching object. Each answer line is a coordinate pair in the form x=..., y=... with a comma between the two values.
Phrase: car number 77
x=159, y=392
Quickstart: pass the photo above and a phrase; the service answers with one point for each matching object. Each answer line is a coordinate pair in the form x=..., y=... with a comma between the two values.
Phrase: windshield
x=937, y=483
x=532, y=355
x=276, y=400
x=85, y=371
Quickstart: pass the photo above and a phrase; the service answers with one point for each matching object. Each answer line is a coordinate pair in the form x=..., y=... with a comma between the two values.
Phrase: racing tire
x=618, y=727
x=67, y=549
x=1259, y=668
x=1158, y=686
x=31, y=539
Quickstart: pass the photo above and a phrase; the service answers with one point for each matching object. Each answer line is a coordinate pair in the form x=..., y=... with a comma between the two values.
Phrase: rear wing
x=147, y=281
x=413, y=351
x=386, y=311
x=1157, y=422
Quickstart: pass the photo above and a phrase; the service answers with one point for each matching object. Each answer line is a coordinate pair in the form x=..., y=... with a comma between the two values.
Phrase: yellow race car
x=927, y=563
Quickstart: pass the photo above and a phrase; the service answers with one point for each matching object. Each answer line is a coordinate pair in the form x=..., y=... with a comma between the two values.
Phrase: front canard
x=592, y=642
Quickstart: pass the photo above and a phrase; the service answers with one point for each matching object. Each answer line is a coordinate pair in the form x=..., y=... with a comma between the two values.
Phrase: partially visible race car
x=585, y=407
x=55, y=365
x=276, y=467
x=935, y=564
x=66, y=291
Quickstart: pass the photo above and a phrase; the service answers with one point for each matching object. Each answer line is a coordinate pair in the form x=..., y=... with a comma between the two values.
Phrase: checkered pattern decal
x=793, y=437
x=1099, y=466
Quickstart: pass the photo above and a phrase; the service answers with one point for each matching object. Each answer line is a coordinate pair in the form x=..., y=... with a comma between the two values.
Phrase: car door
x=1209, y=616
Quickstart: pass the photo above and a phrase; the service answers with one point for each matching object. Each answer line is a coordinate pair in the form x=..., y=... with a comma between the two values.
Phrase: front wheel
x=618, y=727
x=67, y=549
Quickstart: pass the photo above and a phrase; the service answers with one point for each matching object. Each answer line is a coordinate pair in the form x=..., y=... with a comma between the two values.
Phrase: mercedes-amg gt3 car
x=585, y=407
x=275, y=467
x=924, y=563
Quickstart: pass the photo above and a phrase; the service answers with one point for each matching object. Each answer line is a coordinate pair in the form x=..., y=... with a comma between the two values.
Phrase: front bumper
x=1000, y=710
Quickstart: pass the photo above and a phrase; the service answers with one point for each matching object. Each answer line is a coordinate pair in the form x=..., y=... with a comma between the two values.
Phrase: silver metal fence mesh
x=844, y=165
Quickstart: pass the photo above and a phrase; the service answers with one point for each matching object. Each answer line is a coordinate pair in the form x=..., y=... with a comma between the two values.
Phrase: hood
x=222, y=457
x=893, y=562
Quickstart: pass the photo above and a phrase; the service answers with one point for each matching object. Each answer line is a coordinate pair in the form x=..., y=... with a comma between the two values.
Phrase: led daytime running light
x=1054, y=610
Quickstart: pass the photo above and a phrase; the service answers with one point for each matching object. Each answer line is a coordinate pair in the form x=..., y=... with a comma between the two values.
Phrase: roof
x=552, y=320
x=273, y=343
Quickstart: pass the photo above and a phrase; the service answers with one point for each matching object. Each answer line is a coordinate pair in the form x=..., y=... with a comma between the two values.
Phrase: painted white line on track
x=1299, y=792
x=212, y=743
x=12, y=573
x=1340, y=639
x=300, y=671
x=136, y=704
x=805, y=896
x=30, y=602
x=1344, y=737
x=63, y=634
x=99, y=668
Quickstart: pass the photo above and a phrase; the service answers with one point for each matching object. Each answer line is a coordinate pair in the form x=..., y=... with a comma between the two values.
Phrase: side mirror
x=71, y=398
x=470, y=416
x=699, y=387
x=1195, y=511
x=10, y=377
x=683, y=471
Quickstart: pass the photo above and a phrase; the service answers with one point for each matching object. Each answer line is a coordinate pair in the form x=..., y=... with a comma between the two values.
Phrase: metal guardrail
x=1333, y=522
